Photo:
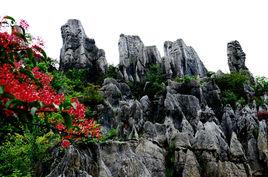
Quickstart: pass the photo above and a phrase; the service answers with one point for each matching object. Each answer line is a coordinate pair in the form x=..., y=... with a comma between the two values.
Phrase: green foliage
x=233, y=82
x=112, y=72
x=155, y=81
x=22, y=154
x=170, y=160
x=137, y=89
x=91, y=95
x=76, y=86
x=261, y=86
x=112, y=134
x=152, y=84
x=232, y=87
x=186, y=79
x=210, y=73
x=229, y=97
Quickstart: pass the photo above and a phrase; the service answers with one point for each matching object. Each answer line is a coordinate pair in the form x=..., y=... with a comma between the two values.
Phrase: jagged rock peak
x=236, y=57
x=181, y=60
x=135, y=58
x=79, y=51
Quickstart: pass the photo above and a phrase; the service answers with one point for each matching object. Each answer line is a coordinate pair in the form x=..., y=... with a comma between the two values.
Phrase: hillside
x=159, y=115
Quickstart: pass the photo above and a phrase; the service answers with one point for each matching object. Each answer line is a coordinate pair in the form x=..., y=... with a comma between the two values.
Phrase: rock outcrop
x=236, y=57
x=181, y=60
x=185, y=131
x=135, y=58
x=79, y=51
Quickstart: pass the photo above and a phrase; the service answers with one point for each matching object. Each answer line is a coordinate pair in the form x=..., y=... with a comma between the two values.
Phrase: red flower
x=65, y=144
x=23, y=83
x=60, y=127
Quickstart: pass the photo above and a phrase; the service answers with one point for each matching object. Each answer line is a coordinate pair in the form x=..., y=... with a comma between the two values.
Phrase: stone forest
x=150, y=116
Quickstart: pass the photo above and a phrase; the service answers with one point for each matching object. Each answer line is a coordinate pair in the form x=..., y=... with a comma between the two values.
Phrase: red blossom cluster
x=25, y=89
x=26, y=84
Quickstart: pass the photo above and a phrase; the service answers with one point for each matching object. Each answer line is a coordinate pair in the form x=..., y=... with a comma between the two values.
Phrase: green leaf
x=30, y=55
x=27, y=72
x=67, y=120
x=10, y=18
x=8, y=95
x=1, y=90
x=8, y=103
x=14, y=103
x=67, y=104
x=33, y=110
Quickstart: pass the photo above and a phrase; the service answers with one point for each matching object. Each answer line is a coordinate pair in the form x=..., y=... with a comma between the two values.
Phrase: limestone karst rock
x=236, y=57
x=181, y=60
x=187, y=129
x=79, y=51
x=135, y=58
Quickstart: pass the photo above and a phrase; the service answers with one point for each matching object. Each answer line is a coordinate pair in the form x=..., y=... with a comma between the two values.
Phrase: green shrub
x=112, y=134
x=137, y=89
x=22, y=154
x=155, y=80
x=170, y=160
x=91, y=95
x=229, y=97
x=232, y=87
x=72, y=86
x=152, y=84
x=210, y=73
x=112, y=72
x=261, y=86
x=186, y=79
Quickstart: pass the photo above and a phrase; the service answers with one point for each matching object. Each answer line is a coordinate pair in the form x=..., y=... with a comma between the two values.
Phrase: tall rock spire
x=79, y=51
x=181, y=60
x=236, y=57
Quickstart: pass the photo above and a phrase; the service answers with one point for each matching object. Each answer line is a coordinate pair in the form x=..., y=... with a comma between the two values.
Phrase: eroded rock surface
x=236, y=57
x=185, y=131
x=79, y=51
x=181, y=60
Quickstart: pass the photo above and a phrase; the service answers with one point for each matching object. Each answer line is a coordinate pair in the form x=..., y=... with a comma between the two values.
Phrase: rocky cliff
x=186, y=131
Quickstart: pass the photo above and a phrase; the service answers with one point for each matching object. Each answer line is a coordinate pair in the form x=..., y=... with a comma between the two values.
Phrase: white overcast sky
x=206, y=25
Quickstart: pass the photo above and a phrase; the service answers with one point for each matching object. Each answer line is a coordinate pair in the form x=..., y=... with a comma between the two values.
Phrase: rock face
x=79, y=51
x=236, y=57
x=135, y=58
x=181, y=60
x=185, y=131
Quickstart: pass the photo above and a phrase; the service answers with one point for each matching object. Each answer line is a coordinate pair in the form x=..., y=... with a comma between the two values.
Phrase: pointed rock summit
x=79, y=51
x=181, y=60
x=135, y=58
x=236, y=57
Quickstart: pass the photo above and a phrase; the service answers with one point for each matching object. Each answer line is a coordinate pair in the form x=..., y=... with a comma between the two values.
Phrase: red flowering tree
x=27, y=98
